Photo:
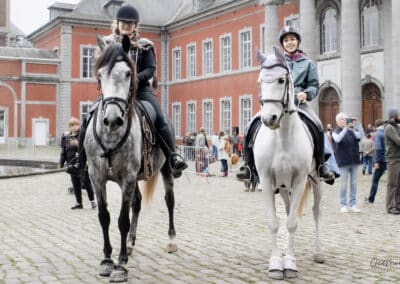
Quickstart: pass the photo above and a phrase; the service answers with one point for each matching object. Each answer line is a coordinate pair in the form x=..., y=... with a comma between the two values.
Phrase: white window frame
x=84, y=109
x=176, y=63
x=225, y=53
x=208, y=116
x=177, y=118
x=332, y=46
x=245, y=115
x=191, y=116
x=225, y=115
x=245, y=48
x=371, y=38
x=191, y=60
x=87, y=67
x=208, y=57
x=263, y=43
x=293, y=20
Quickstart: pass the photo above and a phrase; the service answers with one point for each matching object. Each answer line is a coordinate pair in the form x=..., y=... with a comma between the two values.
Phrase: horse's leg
x=285, y=196
x=289, y=262
x=107, y=264
x=318, y=256
x=275, y=261
x=170, y=201
x=136, y=206
x=120, y=273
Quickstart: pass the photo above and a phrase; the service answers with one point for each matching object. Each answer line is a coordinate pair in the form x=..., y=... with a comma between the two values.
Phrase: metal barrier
x=197, y=158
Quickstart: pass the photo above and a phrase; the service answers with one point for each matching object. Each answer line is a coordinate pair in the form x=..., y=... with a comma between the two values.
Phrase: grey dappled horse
x=113, y=143
x=283, y=152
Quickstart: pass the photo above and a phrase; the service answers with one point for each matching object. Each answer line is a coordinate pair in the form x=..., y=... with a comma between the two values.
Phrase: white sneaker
x=354, y=209
x=344, y=209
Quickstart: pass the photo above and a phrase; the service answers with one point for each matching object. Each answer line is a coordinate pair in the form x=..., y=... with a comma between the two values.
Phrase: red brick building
x=206, y=60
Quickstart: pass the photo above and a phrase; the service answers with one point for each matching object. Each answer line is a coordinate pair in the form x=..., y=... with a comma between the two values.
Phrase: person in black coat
x=69, y=148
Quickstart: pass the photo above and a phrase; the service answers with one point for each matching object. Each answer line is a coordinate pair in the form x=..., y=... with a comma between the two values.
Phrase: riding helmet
x=289, y=30
x=128, y=13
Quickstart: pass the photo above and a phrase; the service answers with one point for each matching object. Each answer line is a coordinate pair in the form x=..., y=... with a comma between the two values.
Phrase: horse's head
x=276, y=88
x=116, y=75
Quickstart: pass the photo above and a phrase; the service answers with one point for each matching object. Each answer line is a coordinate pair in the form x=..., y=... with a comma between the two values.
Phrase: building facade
x=206, y=59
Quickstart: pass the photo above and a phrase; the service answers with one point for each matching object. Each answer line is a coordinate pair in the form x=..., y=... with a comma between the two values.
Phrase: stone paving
x=222, y=235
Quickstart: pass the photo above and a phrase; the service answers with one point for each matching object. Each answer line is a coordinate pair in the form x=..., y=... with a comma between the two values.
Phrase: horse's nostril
x=119, y=121
x=274, y=117
x=106, y=122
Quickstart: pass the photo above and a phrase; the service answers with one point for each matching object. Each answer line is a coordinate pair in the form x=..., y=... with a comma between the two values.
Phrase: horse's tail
x=148, y=188
x=303, y=199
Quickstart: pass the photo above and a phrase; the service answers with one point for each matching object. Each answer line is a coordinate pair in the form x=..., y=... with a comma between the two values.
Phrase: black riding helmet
x=128, y=13
x=289, y=30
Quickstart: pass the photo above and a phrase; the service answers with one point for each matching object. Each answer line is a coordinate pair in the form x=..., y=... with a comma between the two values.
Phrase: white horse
x=283, y=152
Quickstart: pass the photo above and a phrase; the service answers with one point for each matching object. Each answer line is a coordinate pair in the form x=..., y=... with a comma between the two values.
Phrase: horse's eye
x=281, y=80
x=128, y=74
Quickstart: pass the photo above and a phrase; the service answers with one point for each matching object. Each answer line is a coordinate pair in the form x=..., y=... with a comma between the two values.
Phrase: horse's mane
x=112, y=54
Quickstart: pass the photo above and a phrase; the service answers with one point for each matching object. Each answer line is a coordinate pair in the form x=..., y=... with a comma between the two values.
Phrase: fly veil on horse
x=115, y=150
x=283, y=152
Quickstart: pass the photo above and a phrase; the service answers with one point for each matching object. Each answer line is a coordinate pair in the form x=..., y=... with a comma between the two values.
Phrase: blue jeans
x=215, y=151
x=345, y=172
x=375, y=181
x=367, y=162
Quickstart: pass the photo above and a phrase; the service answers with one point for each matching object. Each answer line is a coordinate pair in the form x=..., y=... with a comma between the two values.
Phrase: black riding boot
x=323, y=172
x=77, y=169
x=176, y=161
x=244, y=173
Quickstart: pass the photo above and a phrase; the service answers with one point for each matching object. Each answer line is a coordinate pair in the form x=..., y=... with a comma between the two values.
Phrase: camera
x=349, y=120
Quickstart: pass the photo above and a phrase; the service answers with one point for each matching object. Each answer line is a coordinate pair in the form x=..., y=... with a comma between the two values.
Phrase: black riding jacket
x=68, y=151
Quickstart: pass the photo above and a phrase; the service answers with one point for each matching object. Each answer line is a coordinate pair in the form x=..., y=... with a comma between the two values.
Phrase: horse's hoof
x=119, y=274
x=276, y=274
x=172, y=248
x=106, y=267
x=288, y=273
x=318, y=258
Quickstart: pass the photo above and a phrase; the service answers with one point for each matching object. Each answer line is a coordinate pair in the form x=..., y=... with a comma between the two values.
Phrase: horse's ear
x=126, y=43
x=101, y=42
x=261, y=57
x=279, y=54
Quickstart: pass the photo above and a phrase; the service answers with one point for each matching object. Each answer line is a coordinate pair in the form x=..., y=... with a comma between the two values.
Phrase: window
x=84, y=109
x=293, y=21
x=245, y=49
x=226, y=116
x=207, y=57
x=262, y=39
x=191, y=61
x=176, y=118
x=176, y=64
x=191, y=117
x=329, y=31
x=87, y=61
x=225, y=54
x=245, y=112
x=208, y=117
x=370, y=24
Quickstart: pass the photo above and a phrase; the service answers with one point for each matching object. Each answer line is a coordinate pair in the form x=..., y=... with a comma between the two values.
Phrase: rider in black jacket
x=142, y=52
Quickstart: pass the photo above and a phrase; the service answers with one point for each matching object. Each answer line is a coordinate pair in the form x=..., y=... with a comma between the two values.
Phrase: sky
x=29, y=15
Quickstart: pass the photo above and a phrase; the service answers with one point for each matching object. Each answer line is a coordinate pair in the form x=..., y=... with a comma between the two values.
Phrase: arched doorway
x=329, y=106
x=371, y=104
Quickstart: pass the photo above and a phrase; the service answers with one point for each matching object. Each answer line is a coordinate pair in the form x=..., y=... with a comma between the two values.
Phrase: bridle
x=104, y=102
x=284, y=101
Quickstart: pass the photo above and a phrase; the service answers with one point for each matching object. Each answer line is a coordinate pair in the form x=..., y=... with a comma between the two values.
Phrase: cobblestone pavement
x=222, y=235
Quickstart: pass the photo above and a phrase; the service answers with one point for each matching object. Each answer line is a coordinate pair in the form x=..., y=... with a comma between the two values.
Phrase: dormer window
x=112, y=6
